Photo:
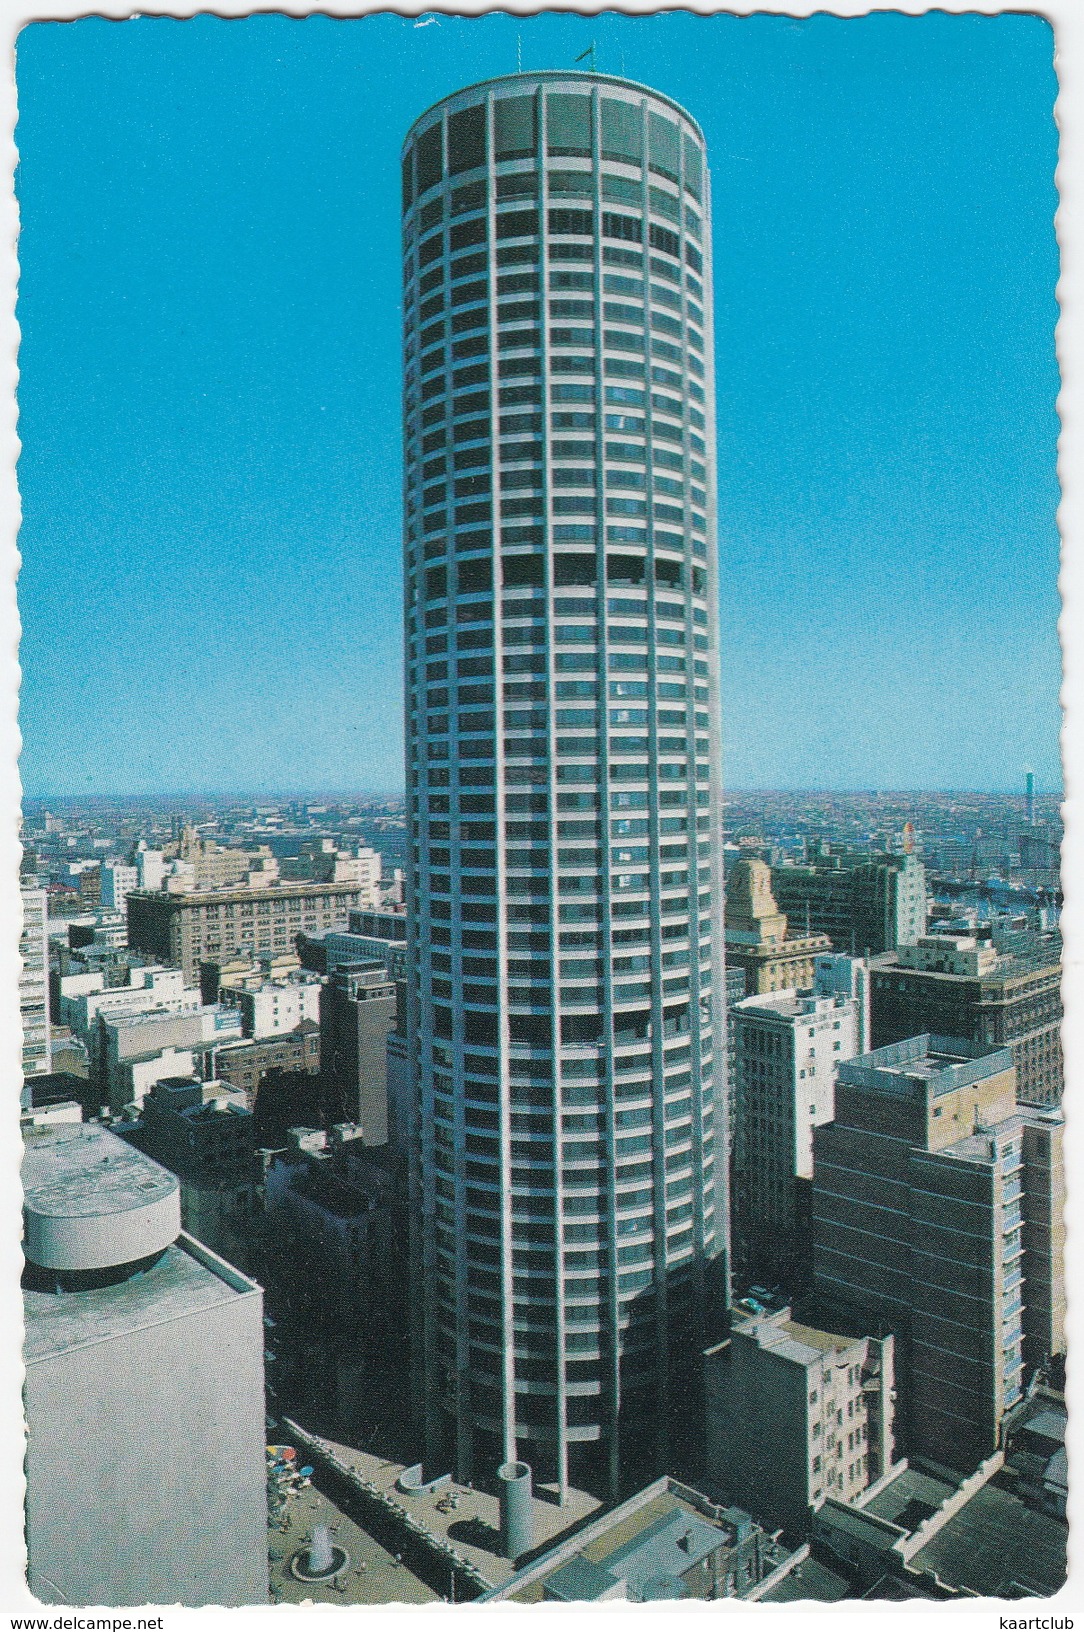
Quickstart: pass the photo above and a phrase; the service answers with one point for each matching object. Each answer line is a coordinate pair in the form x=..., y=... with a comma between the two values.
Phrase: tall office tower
x=563, y=768
x=937, y=1214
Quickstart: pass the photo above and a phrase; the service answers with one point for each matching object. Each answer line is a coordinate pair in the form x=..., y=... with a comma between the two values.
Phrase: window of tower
x=570, y=221
x=571, y=184
x=466, y=139
x=622, y=133
x=514, y=128
x=627, y=227
x=568, y=125
x=429, y=153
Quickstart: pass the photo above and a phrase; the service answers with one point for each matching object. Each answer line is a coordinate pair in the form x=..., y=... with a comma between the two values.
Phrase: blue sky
x=209, y=398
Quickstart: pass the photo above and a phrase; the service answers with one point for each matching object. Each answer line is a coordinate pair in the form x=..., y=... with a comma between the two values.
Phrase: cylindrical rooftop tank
x=93, y=1202
x=517, y=1516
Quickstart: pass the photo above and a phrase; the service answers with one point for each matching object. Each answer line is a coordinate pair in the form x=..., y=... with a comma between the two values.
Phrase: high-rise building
x=788, y=1047
x=937, y=1212
x=566, y=1007
x=962, y=987
x=34, y=981
x=757, y=938
x=864, y=902
x=358, y=1009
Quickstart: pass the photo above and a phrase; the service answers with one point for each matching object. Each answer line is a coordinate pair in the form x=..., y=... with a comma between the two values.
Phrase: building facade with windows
x=186, y=928
x=34, y=982
x=937, y=1214
x=566, y=1002
x=964, y=988
x=788, y=1047
x=795, y=1414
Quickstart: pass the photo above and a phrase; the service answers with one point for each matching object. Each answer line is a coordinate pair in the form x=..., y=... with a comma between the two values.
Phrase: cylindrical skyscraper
x=565, y=887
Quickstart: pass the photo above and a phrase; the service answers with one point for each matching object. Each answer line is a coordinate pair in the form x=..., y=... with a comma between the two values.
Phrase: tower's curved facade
x=565, y=887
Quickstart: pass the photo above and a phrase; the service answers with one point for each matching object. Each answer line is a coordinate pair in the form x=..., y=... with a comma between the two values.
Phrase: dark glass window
x=430, y=158
x=470, y=197
x=515, y=224
x=466, y=139
x=571, y=221
x=621, y=132
x=467, y=232
x=408, y=181
x=621, y=190
x=668, y=242
x=663, y=139
x=568, y=125
x=692, y=167
x=629, y=227
x=514, y=127
x=571, y=183
x=517, y=186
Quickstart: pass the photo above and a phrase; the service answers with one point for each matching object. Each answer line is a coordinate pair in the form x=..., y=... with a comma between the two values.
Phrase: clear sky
x=209, y=396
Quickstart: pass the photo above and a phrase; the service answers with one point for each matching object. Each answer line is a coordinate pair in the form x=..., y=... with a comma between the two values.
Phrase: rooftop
x=809, y=1580
x=187, y=1278
x=998, y=1547
x=80, y=1170
x=928, y=1063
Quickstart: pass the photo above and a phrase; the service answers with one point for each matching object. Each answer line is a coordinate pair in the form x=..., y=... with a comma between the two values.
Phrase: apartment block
x=865, y=903
x=796, y=1414
x=787, y=1048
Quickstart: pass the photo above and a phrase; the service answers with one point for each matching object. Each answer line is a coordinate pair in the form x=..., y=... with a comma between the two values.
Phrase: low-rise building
x=136, y=1050
x=188, y=926
x=666, y=1542
x=205, y=1135
x=334, y=1259
x=274, y=1007
x=244, y=1063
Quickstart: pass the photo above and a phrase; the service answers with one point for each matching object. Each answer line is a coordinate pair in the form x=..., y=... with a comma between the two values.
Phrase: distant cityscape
x=568, y=1180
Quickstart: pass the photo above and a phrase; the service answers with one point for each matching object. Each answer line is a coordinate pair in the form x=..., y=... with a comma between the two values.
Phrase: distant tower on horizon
x=566, y=999
x=1029, y=798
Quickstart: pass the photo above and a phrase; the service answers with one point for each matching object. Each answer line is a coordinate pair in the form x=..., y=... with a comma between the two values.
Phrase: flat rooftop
x=473, y=1528
x=664, y=1537
x=927, y=1063
x=999, y=1548
x=911, y=1497
x=84, y=1171
x=184, y=1281
x=809, y=1580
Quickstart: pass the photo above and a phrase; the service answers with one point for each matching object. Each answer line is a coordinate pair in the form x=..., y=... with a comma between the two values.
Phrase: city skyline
x=860, y=400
